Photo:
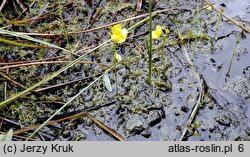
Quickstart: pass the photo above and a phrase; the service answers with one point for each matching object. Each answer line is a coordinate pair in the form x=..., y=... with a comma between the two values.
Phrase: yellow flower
x=157, y=32
x=118, y=35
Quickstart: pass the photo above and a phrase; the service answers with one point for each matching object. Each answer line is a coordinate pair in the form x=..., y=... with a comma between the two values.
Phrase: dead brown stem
x=51, y=62
x=104, y=127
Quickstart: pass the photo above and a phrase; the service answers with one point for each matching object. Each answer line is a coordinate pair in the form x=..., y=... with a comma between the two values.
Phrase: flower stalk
x=149, y=80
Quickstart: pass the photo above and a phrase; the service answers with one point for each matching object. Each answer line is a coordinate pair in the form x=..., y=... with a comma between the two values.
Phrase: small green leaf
x=7, y=137
x=196, y=124
x=167, y=31
x=107, y=83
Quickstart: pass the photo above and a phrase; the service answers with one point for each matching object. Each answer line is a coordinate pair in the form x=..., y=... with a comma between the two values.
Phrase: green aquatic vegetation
x=231, y=61
x=196, y=124
x=63, y=23
x=193, y=35
x=115, y=7
x=163, y=85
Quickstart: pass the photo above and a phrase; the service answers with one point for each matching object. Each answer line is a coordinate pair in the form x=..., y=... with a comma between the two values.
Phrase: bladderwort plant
x=119, y=35
x=153, y=35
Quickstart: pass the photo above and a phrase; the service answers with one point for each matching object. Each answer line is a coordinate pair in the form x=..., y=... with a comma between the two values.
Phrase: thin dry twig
x=51, y=62
x=30, y=20
x=49, y=123
x=11, y=80
x=34, y=18
x=41, y=12
x=15, y=83
x=2, y=5
x=26, y=9
x=21, y=5
x=104, y=127
x=1, y=122
x=48, y=59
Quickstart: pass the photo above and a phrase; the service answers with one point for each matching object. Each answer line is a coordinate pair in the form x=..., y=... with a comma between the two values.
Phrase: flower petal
x=154, y=35
x=158, y=27
x=116, y=38
x=124, y=32
x=157, y=32
x=119, y=35
x=116, y=28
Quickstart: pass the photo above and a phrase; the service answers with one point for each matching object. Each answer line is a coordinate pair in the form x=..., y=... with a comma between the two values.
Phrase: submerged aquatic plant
x=119, y=34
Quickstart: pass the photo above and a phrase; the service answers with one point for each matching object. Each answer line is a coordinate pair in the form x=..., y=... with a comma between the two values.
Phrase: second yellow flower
x=118, y=35
x=157, y=32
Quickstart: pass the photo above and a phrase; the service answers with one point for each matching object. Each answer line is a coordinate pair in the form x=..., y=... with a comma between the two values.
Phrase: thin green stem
x=115, y=70
x=116, y=82
x=163, y=49
x=198, y=16
x=150, y=45
x=231, y=61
